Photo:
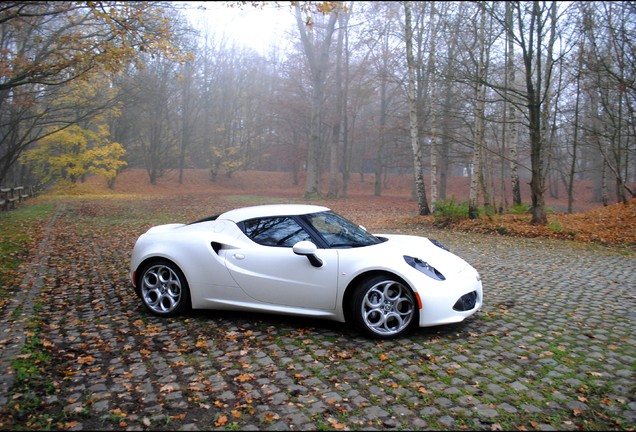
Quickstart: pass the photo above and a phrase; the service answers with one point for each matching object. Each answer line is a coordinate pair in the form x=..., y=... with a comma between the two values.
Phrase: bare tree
x=476, y=180
x=189, y=107
x=420, y=189
x=45, y=45
x=511, y=134
x=433, y=84
x=534, y=33
x=609, y=29
x=340, y=112
x=157, y=134
x=575, y=138
x=317, y=54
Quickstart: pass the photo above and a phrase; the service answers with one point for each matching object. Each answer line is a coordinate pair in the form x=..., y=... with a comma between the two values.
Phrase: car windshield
x=339, y=232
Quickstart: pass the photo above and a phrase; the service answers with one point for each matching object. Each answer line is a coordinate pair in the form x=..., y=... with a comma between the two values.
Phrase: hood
x=421, y=247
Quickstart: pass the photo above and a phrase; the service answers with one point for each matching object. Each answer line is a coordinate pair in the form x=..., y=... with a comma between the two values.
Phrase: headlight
x=424, y=267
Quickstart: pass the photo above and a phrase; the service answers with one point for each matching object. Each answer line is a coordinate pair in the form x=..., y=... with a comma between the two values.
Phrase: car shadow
x=313, y=327
x=282, y=323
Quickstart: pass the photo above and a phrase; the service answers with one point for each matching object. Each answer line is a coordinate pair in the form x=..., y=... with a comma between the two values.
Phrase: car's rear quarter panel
x=190, y=248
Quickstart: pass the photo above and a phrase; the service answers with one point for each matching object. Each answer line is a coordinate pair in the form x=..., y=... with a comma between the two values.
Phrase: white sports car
x=303, y=260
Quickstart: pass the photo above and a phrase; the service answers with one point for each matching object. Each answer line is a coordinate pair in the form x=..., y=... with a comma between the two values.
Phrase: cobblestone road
x=554, y=348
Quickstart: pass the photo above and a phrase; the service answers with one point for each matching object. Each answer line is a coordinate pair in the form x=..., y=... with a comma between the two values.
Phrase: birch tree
x=420, y=189
x=533, y=29
x=476, y=180
x=609, y=28
x=431, y=71
x=510, y=128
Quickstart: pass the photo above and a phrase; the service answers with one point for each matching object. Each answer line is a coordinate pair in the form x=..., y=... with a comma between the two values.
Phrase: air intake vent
x=466, y=302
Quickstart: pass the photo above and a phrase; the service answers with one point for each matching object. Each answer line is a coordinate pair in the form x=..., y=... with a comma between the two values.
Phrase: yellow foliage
x=77, y=150
x=231, y=158
x=74, y=152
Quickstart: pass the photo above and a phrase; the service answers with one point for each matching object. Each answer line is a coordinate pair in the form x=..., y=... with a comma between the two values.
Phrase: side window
x=275, y=231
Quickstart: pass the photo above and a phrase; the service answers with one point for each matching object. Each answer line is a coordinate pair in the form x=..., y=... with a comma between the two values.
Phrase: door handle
x=238, y=256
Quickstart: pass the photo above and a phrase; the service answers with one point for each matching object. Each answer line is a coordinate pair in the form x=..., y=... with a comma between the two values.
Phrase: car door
x=270, y=272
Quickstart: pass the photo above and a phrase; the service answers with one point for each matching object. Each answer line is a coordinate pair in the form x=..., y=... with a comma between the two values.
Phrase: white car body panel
x=292, y=281
x=438, y=297
x=225, y=269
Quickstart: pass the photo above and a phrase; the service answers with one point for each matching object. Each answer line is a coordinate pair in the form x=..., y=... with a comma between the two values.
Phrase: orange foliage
x=612, y=225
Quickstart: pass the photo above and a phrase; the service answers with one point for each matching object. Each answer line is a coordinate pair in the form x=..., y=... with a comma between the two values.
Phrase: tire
x=164, y=290
x=384, y=307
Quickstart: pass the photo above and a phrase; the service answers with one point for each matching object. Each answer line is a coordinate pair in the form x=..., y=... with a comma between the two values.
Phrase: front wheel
x=384, y=307
x=164, y=289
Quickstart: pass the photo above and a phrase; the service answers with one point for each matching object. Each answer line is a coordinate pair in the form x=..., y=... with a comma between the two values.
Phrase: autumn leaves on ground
x=93, y=359
x=613, y=225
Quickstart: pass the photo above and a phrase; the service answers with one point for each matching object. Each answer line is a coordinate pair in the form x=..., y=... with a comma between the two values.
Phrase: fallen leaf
x=335, y=424
x=244, y=377
x=167, y=388
x=119, y=413
x=270, y=417
x=85, y=359
x=221, y=420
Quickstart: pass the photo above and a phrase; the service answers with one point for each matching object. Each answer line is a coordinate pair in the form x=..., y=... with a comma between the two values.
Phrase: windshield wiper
x=344, y=245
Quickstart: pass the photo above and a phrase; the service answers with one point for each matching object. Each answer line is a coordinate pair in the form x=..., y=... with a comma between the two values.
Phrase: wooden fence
x=9, y=197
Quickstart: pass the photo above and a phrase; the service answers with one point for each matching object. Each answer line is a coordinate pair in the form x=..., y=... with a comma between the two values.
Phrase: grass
x=451, y=209
x=107, y=217
x=32, y=384
x=519, y=209
x=19, y=230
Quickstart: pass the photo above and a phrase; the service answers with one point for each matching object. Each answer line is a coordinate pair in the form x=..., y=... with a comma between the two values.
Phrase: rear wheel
x=384, y=307
x=164, y=289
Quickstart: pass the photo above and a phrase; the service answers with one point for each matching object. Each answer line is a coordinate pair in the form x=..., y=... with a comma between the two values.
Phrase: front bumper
x=452, y=300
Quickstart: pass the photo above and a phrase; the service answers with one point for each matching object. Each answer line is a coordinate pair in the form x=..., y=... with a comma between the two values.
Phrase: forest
x=539, y=92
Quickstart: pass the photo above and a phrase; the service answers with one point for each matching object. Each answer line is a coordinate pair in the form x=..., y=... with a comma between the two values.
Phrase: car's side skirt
x=272, y=309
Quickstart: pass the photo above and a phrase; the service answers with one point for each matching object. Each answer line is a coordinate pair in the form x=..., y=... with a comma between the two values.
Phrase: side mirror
x=308, y=249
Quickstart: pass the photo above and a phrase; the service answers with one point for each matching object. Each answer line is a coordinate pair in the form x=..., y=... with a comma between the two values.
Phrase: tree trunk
x=511, y=109
x=534, y=100
x=317, y=55
x=575, y=140
x=335, y=138
x=477, y=179
x=420, y=189
x=433, y=107
x=187, y=120
x=346, y=151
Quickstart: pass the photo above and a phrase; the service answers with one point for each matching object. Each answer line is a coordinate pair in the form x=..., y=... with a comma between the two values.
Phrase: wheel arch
x=347, y=299
x=153, y=259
